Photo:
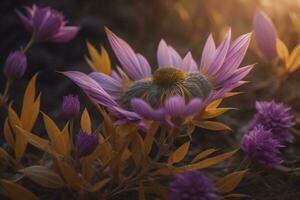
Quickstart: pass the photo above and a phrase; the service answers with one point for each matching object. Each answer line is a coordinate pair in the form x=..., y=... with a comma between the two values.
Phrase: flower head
x=85, y=143
x=274, y=117
x=15, y=64
x=70, y=106
x=192, y=185
x=47, y=24
x=261, y=147
x=265, y=34
x=179, y=87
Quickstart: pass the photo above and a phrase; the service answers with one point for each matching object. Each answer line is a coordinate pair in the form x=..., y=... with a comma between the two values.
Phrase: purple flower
x=179, y=87
x=15, y=64
x=274, y=117
x=85, y=143
x=70, y=106
x=265, y=34
x=47, y=24
x=261, y=147
x=192, y=185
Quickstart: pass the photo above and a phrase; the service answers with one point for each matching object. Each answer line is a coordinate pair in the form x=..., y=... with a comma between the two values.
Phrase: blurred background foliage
x=185, y=24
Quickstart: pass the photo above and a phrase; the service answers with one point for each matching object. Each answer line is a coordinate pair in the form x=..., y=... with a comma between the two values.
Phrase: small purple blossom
x=274, y=117
x=15, y=64
x=265, y=34
x=192, y=185
x=85, y=143
x=47, y=24
x=70, y=106
x=261, y=147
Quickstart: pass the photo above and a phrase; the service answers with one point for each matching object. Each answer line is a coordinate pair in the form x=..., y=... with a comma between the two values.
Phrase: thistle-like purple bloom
x=265, y=34
x=15, y=64
x=47, y=24
x=85, y=143
x=274, y=117
x=261, y=147
x=179, y=87
x=192, y=185
x=70, y=106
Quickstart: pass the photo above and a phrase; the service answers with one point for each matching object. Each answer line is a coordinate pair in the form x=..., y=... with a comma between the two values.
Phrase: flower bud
x=15, y=64
x=85, y=143
x=70, y=106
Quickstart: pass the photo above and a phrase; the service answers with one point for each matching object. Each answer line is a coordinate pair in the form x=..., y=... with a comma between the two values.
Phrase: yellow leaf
x=211, y=113
x=8, y=134
x=228, y=183
x=293, y=62
x=179, y=154
x=43, y=176
x=211, y=161
x=211, y=125
x=86, y=124
x=36, y=141
x=31, y=107
x=203, y=154
x=282, y=50
x=16, y=192
x=98, y=62
x=56, y=136
x=214, y=104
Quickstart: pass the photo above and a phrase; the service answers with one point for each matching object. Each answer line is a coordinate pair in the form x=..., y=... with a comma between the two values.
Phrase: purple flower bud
x=70, y=106
x=85, y=143
x=15, y=64
x=265, y=34
x=192, y=185
x=47, y=24
x=274, y=117
x=262, y=147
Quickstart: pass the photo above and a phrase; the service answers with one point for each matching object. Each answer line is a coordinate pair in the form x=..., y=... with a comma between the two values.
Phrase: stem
x=29, y=44
x=71, y=132
x=4, y=96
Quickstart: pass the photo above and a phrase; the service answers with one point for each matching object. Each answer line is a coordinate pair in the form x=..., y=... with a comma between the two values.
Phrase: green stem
x=4, y=96
x=29, y=45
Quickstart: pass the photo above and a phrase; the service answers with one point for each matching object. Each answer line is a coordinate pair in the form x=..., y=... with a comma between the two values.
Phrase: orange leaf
x=228, y=183
x=141, y=192
x=43, y=176
x=211, y=125
x=203, y=154
x=86, y=124
x=293, y=62
x=211, y=161
x=282, y=50
x=31, y=106
x=211, y=113
x=179, y=154
x=138, y=149
x=16, y=192
x=150, y=137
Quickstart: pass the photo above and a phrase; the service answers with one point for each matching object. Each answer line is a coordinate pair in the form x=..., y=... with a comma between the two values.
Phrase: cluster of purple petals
x=261, y=147
x=192, y=185
x=70, y=106
x=275, y=117
x=15, y=64
x=85, y=143
x=47, y=24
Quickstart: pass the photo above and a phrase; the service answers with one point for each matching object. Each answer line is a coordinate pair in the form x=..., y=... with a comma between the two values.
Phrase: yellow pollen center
x=168, y=75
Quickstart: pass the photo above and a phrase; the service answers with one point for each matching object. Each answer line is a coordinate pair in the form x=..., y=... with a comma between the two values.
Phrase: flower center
x=166, y=76
x=167, y=82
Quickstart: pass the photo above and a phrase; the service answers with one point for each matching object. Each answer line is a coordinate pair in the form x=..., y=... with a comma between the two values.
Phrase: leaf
x=20, y=143
x=236, y=195
x=179, y=154
x=43, y=176
x=148, y=142
x=56, y=136
x=16, y=192
x=211, y=125
x=214, y=104
x=138, y=149
x=9, y=137
x=99, y=185
x=5, y=155
x=211, y=161
x=293, y=61
x=228, y=183
x=211, y=113
x=31, y=106
x=99, y=62
x=282, y=50
x=38, y=142
x=159, y=190
x=86, y=124
x=203, y=154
